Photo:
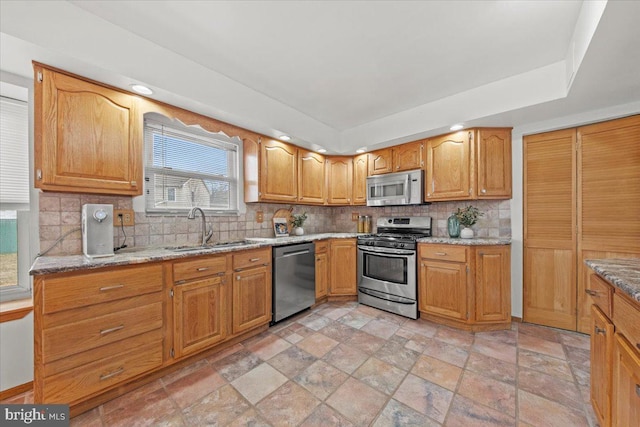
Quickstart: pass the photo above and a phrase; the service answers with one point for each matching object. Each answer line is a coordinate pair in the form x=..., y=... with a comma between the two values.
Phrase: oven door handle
x=386, y=251
x=386, y=297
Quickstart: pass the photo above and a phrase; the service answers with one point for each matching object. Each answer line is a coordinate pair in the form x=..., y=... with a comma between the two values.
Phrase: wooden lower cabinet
x=342, y=271
x=465, y=286
x=322, y=269
x=251, y=298
x=601, y=358
x=626, y=384
x=199, y=315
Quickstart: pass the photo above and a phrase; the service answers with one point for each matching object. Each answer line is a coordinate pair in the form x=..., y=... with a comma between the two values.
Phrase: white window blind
x=187, y=166
x=14, y=151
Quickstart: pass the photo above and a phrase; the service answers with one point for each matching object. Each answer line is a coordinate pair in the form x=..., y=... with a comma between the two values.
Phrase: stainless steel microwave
x=394, y=189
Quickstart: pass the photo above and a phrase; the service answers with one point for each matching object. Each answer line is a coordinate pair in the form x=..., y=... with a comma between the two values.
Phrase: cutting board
x=283, y=213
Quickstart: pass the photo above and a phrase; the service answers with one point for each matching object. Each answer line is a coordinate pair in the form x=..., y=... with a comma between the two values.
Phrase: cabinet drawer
x=253, y=258
x=322, y=246
x=72, y=385
x=601, y=294
x=65, y=340
x=444, y=252
x=64, y=293
x=626, y=317
x=199, y=267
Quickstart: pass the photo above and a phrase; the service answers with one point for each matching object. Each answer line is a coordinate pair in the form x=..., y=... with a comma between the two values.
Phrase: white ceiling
x=343, y=75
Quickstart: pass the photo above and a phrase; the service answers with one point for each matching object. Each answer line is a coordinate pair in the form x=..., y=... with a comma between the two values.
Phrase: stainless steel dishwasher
x=294, y=279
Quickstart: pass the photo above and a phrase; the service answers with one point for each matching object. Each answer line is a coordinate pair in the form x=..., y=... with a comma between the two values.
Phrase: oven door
x=387, y=270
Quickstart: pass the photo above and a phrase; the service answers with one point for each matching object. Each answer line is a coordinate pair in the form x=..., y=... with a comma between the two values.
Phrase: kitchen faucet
x=205, y=236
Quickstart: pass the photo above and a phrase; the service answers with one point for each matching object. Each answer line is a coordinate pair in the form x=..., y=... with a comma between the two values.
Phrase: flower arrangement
x=468, y=216
x=297, y=220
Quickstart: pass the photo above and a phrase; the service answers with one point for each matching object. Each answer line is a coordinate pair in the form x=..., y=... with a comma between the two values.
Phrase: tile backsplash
x=60, y=213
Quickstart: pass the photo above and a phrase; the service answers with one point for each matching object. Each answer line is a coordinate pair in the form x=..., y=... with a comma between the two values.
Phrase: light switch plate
x=259, y=217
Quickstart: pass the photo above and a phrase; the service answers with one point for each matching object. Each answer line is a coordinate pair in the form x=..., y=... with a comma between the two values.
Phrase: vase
x=298, y=231
x=453, y=226
x=466, y=233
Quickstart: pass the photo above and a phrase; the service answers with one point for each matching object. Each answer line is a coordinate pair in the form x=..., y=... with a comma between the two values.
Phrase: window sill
x=14, y=310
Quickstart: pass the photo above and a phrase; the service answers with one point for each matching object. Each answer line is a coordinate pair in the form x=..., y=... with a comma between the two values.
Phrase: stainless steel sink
x=230, y=244
x=187, y=248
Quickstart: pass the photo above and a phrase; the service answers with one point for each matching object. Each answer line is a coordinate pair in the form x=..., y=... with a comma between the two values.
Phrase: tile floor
x=344, y=364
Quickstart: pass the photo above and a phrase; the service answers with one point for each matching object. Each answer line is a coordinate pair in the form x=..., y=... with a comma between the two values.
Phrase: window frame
x=192, y=133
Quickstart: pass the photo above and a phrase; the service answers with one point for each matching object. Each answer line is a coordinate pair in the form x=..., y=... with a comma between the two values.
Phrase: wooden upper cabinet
x=278, y=171
x=360, y=172
x=311, y=182
x=87, y=137
x=381, y=161
x=449, y=167
x=408, y=156
x=339, y=172
x=493, y=154
x=251, y=158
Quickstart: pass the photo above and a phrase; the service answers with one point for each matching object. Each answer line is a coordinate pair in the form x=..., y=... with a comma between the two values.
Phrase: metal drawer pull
x=441, y=253
x=203, y=268
x=600, y=331
x=108, y=331
x=638, y=390
x=254, y=259
x=591, y=292
x=638, y=345
x=108, y=288
x=112, y=374
x=220, y=274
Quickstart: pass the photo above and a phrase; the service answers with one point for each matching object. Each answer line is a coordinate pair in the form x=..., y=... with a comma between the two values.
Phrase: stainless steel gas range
x=387, y=272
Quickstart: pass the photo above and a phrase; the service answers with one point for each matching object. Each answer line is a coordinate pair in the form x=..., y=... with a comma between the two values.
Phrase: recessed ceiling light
x=360, y=150
x=322, y=150
x=285, y=137
x=142, y=90
x=456, y=127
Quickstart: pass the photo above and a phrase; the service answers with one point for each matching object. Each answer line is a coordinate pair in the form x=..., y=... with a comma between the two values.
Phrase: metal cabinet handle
x=591, y=292
x=600, y=331
x=108, y=288
x=112, y=374
x=441, y=253
x=203, y=268
x=638, y=390
x=108, y=331
x=254, y=259
x=237, y=277
x=483, y=191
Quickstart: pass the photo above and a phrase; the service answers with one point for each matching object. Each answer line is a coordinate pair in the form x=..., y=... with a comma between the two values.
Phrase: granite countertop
x=623, y=273
x=140, y=255
x=476, y=241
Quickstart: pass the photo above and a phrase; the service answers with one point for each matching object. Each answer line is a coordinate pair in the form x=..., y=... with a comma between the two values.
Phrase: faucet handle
x=208, y=236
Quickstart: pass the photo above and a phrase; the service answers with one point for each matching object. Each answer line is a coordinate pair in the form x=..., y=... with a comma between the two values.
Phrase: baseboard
x=14, y=391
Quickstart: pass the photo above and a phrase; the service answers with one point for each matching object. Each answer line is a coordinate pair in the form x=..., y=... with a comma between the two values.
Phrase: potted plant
x=297, y=221
x=467, y=217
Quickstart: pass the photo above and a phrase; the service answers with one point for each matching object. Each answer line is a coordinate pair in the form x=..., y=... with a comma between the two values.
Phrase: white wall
x=516, y=201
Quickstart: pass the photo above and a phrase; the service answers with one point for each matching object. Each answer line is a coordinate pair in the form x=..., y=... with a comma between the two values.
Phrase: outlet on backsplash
x=354, y=216
x=259, y=217
x=127, y=217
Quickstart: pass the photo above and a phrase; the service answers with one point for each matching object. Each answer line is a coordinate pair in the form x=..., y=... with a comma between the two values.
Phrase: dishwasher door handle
x=288, y=254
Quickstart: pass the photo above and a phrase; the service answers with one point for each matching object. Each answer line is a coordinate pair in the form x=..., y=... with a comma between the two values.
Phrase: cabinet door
x=408, y=156
x=278, y=171
x=322, y=275
x=251, y=298
x=493, y=284
x=443, y=289
x=493, y=153
x=339, y=180
x=608, y=184
x=87, y=137
x=251, y=158
x=381, y=161
x=449, y=167
x=360, y=172
x=311, y=182
x=342, y=274
x=200, y=316
x=549, y=229
x=626, y=384
x=601, y=359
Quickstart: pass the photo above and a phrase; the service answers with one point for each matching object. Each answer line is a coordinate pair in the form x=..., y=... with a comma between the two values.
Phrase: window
x=14, y=198
x=187, y=166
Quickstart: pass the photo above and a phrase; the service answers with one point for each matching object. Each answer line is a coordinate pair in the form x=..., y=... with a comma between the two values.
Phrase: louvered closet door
x=549, y=229
x=608, y=198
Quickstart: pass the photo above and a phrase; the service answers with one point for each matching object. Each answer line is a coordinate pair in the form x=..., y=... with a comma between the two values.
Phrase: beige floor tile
x=495, y=349
x=489, y=392
x=194, y=386
x=317, y=344
x=539, y=411
x=395, y=414
x=217, y=408
x=380, y=328
x=550, y=387
x=425, y=397
x=325, y=416
x=268, y=347
x=545, y=364
x=346, y=358
x=288, y=406
x=493, y=368
x=465, y=412
x=292, y=361
x=321, y=379
x=539, y=345
x=259, y=382
x=437, y=371
x=380, y=375
x=358, y=402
